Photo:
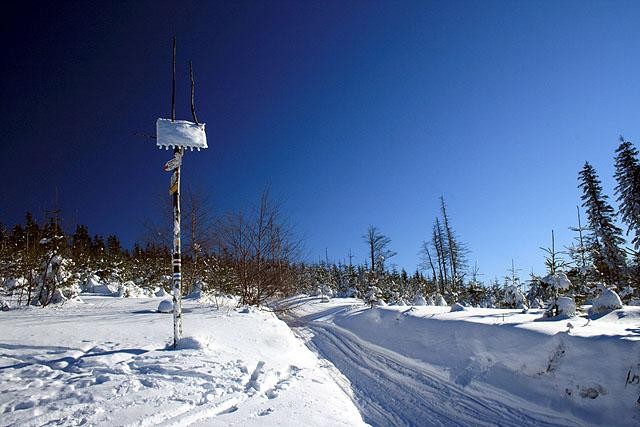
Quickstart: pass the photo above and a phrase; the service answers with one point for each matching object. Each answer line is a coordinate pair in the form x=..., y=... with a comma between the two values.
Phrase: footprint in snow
x=265, y=412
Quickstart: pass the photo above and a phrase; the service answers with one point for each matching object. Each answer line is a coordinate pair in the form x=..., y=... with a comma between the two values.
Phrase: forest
x=256, y=254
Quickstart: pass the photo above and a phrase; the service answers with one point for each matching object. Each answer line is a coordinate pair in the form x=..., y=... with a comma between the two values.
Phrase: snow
x=193, y=343
x=607, y=301
x=165, y=306
x=93, y=285
x=457, y=307
x=439, y=301
x=426, y=365
x=130, y=290
x=180, y=133
x=566, y=306
x=419, y=300
x=557, y=280
x=105, y=362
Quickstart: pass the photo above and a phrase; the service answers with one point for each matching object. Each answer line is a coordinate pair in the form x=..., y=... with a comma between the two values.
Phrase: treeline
x=250, y=253
x=598, y=258
x=255, y=254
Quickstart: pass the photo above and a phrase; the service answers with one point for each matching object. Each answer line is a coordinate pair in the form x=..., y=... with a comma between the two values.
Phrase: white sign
x=180, y=133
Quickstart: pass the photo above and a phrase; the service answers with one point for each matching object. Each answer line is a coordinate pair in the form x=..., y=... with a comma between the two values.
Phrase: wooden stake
x=193, y=94
x=176, y=261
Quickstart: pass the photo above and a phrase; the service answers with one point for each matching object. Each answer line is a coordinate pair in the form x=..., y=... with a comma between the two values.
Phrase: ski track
x=390, y=389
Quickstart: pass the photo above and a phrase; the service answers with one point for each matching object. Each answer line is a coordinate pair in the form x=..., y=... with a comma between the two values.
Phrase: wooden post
x=176, y=261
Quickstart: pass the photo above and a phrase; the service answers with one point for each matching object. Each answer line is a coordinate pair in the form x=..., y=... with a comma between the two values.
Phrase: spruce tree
x=628, y=188
x=607, y=237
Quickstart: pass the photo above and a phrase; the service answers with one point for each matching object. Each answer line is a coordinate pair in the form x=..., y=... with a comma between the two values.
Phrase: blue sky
x=355, y=113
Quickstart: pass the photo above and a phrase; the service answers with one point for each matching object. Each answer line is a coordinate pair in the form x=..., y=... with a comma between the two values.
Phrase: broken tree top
x=180, y=133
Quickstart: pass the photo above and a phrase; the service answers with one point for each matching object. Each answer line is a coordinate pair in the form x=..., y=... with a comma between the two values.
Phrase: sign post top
x=181, y=134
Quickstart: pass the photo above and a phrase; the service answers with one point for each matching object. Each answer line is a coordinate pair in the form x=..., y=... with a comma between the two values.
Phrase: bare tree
x=455, y=249
x=199, y=234
x=427, y=262
x=378, y=245
x=440, y=245
x=260, y=247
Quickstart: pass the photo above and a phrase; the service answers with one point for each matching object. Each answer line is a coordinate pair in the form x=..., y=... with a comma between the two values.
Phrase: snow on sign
x=180, y=133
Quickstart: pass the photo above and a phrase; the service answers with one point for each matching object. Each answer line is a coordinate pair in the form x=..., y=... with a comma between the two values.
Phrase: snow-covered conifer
x=607, y=237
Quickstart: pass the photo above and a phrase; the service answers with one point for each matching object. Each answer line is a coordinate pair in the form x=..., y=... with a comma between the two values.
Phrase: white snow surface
x=427, y=365
x=105, y=362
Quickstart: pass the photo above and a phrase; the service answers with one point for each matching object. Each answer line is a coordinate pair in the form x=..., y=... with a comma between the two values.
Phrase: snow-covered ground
x=429, y=366
x=105, y=362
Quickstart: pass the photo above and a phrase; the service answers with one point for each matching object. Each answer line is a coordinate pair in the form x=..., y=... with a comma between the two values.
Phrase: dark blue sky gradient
x=354, y=112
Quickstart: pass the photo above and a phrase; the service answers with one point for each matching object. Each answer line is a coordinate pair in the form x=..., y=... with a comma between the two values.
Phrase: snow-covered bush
x=56, y=275
x=13, y=283
x=439, y=300
x=430, y=300
x=488, y=302
x=419, y=300
x=95, y=286
x=396, y=299
x=557, y=281
x=607, y=301
x=563, y=306
x=197, y=290
x=566, y=307
x=130, y=290
x=374, y=296
x=514, y=298
x=559, y=306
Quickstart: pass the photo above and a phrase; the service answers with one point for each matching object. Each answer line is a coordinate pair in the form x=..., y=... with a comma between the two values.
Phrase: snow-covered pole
x=178, y=135
x=176, y=259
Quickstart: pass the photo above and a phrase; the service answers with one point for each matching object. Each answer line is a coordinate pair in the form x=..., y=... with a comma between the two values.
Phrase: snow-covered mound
x=439, y=301
x=192, y=343
x=165, y=306
x=607, y=301
x=419, y=300
x=457, y=307
x=131, y=290
x=93, y=285
x=566, y=307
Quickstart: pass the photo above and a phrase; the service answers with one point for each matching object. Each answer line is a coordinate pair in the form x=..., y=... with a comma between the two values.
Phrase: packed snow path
x=392, y=389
